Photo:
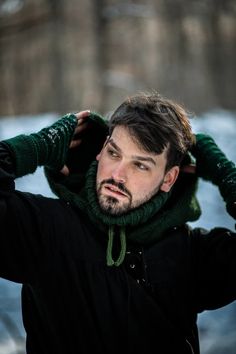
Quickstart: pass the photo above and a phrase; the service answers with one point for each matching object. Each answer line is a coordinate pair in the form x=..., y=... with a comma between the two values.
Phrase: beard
x=114, y=206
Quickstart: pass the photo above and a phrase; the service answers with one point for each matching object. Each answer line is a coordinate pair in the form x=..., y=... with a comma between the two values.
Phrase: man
x=111, y=265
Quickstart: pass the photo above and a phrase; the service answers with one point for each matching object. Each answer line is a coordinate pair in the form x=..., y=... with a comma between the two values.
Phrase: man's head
x=148, y=138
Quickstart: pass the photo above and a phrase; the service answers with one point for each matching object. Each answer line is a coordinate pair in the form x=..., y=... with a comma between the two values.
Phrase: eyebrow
x=135, y=157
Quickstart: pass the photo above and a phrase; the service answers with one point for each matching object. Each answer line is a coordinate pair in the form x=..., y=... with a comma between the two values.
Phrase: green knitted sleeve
x=213, y=165
x=48, y=147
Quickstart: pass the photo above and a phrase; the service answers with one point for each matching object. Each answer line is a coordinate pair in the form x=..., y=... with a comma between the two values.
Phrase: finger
x=75, y=143
x=65, y=170
x=80, y=127
x=82, y=114
x=189, y=169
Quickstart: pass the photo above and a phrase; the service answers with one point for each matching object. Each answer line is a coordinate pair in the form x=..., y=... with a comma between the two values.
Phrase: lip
x=113, y=190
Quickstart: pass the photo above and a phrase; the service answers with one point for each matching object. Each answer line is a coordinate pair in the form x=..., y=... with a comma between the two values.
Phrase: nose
x=119, y=173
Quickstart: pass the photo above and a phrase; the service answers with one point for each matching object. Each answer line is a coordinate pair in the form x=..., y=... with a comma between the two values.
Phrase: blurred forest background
x=63, y=56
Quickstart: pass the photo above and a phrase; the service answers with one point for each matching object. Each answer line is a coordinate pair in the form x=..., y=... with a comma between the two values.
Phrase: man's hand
x=191, y=168
x=76, y=140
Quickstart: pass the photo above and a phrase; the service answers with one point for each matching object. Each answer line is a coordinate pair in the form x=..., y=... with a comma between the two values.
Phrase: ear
x=169, y=179
x=105, y=143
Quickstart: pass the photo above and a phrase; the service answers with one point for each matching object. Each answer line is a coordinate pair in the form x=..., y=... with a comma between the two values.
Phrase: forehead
x=123, y=138
x=123, y=135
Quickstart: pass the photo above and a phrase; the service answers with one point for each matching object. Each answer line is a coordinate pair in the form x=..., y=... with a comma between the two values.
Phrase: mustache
x=119, y=185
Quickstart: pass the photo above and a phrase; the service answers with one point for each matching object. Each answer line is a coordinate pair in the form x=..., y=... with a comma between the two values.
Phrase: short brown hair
x=156, y=123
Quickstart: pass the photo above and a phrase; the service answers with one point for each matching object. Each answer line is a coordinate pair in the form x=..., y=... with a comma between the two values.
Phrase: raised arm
x=48, y=147
x=214, y=166
x=25, y=237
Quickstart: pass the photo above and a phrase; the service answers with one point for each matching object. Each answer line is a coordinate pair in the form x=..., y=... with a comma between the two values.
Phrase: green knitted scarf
x=145, y=224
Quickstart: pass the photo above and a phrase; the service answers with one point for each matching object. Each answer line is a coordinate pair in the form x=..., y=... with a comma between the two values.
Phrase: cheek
x=103, y=170
x=144, y=186
x=139, y=185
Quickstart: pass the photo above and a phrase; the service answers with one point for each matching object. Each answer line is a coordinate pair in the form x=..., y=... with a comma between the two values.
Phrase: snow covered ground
x=217, y=328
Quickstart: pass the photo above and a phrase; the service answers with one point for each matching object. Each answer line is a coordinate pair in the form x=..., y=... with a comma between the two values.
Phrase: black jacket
x=72, y=302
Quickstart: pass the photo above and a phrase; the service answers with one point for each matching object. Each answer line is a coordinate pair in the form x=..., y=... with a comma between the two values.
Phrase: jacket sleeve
x=19, y=224
x=214, y=260
x=24, y=241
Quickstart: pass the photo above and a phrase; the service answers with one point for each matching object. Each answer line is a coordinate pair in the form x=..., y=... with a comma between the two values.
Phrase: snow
x=217, y=328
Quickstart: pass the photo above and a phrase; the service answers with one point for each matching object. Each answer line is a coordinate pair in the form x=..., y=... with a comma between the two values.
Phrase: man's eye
x=112, y=153
x=141, y=166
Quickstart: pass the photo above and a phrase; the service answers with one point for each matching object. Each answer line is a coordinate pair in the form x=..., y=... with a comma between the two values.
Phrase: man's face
x=127, y=175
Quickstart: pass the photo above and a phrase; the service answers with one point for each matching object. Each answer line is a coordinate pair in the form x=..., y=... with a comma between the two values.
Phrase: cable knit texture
x=48, y=147
x=144, y=224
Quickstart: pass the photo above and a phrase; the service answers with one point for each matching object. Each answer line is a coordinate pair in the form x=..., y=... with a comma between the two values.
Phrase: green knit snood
x=145, y=224
x=132, y=218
